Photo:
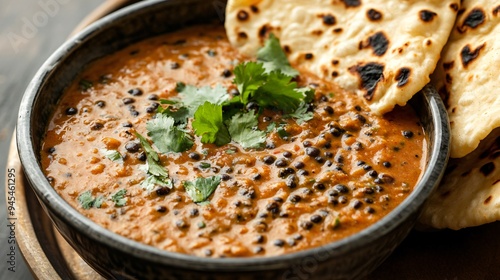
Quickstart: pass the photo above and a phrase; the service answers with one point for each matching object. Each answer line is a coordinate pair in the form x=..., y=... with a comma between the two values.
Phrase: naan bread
x=384, y=50
x=467, y=75
x=469, y=194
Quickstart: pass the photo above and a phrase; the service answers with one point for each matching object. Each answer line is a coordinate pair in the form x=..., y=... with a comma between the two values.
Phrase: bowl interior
x=150, y=18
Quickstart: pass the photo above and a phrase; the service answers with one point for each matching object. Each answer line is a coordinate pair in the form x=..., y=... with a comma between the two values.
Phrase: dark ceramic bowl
x=117, y=257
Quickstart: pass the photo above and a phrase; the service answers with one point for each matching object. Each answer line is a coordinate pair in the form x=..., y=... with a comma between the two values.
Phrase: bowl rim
x=429, y=179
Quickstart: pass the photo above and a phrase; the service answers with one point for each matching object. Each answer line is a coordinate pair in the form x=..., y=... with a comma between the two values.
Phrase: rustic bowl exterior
x=117, y=257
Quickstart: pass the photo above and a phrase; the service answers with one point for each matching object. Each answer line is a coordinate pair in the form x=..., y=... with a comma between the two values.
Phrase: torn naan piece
x=384, y=50
x=469, y=194
x=467, y=75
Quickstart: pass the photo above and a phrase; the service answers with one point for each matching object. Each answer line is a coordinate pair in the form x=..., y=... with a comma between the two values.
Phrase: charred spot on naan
x=427, y=16
x=351, y=3
x=370, y=75
x=474, y=19
x=374, y=15
x=378, y=42
x=496, y=11
x=469, y=55
x=403, y=76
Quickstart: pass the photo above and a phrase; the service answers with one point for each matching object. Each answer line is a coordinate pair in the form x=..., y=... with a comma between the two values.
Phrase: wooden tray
x=466, y=254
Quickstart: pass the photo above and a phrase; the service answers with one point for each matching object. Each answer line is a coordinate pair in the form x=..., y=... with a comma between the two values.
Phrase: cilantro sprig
x=87, y=200
x=157, y=175
x=201, y=188
x=210, y=114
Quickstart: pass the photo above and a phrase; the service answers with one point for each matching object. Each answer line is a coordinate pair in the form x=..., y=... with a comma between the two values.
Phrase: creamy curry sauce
x=326, y=179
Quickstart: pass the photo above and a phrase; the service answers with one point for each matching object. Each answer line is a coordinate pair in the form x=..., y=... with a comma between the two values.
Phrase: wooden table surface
x=31, y=30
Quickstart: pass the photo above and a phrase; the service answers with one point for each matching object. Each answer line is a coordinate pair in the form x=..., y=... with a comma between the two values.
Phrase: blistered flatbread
x=467, y=75
x=384, y=50
x=469, y=194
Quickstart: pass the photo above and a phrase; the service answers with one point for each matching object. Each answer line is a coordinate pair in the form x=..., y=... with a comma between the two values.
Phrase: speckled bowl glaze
x=117, y=257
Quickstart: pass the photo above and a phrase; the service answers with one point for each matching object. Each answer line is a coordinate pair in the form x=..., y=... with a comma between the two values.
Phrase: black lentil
x=341, y=188
x=312, y=151
x=132, y=146
x=408, y=134
x=153, y=97
x=319, y=186
x=281, y=162
x=260, y=239
x=127, y=101
x=303, y=172
x=307, y=143
x=319, y=159
x=100, y=104
x=306, y=225
x=369, y=210
x=386, y=178
x=162, y=191
x=252, y=106
x=227, y=73
x=258, y=250
x=335, y=131
x=279, y=243
x=194, y=156
x=175, y=65
x=299, y=165
x=329, y=110
x=135, y=92
x=287, y=154
x=372, y=173
x=356, y=204
x=234, y=92
x=71, y=111
x=51, y=150
x=386, y=164
x=142, y=156
x=295, y=198
x=268, y=159
x=127, y=124
x=291, y=181
x=161, y=209
x=316, y=219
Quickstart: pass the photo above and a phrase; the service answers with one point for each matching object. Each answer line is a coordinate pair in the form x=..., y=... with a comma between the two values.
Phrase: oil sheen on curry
x=181, y=143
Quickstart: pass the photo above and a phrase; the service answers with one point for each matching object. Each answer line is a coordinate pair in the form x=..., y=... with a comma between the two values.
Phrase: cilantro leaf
x=119, y=198
x=249, y=77
x=156, y=174
x=241, y=128
x=301, y=115
x=282, y=133
x=112, y=155
x=201, y=188
x=279, y=92
x=166, y=136
x=180, y=115
x=273, y=57
x=193, y=97
x=180, y=86
x=86, y=200
x=208, y=124
x=98, y=201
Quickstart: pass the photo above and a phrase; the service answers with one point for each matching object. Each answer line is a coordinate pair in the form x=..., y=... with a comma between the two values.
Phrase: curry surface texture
x=319, y=182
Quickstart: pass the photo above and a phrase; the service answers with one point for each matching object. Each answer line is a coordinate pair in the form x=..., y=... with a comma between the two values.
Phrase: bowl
x=116, y=257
